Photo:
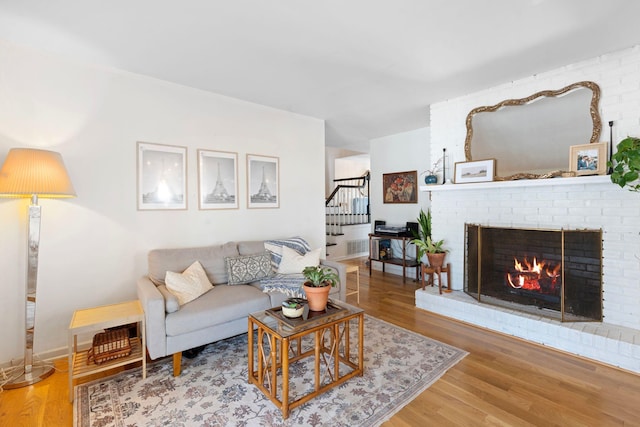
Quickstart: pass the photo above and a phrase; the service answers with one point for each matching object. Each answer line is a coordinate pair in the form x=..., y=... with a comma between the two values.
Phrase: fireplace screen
x=553, y=273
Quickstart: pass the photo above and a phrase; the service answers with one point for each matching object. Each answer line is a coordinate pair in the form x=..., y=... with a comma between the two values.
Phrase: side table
x=94, y=320
x=354, y=269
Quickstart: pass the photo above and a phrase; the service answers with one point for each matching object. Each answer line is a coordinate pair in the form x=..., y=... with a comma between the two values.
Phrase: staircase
x=348, y=218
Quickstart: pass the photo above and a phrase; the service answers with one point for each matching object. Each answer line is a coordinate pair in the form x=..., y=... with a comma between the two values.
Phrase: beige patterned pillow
x=189, y=284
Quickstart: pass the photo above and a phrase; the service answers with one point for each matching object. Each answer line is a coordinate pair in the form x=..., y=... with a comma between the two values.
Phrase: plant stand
x=430, y=271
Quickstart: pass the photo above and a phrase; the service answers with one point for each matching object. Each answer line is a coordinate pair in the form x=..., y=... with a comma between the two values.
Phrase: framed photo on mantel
x=588, y=159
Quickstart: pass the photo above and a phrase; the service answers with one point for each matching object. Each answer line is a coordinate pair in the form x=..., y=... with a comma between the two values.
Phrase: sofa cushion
x=178, y=259
x=220, y=305
x=292, y=262
x=189, y=284
x=298, y=244
x=251, y=247
x=248, y=268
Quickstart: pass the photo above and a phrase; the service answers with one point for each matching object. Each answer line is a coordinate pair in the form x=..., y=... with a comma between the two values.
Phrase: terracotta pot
x=436, y=260
x=317, y=297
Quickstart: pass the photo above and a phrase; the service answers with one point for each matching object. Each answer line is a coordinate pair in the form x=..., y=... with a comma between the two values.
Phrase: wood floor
x=503, y=381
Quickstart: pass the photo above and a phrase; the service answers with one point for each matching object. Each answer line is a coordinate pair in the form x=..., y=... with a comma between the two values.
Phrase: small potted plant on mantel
x=626, y=164
x=318, y=284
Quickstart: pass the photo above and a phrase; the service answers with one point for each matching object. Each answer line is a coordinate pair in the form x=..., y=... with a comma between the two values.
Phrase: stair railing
x=348, y=203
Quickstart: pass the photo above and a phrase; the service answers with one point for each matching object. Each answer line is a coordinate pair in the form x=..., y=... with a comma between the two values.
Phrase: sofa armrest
x=341, y=269
x=154, y=314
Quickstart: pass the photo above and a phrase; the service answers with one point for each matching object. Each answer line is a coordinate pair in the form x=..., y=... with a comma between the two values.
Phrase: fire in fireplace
x=553, y=273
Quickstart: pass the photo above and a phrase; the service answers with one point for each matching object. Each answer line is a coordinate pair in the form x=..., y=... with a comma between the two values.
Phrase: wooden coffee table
x=280, y=342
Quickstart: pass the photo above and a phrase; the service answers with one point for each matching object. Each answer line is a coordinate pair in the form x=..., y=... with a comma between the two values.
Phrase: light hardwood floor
x=503, y=381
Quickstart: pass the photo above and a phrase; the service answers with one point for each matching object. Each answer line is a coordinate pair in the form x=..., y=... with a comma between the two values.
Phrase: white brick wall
x=561, y=203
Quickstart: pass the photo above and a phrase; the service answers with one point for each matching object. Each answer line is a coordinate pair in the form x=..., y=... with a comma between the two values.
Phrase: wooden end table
x=98, y=318
x=279, y=343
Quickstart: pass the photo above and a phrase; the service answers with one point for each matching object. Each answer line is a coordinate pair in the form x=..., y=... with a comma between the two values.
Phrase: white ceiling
x=370, y=68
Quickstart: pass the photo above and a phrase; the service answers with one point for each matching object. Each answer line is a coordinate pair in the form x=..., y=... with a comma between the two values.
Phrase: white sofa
x=220, y=313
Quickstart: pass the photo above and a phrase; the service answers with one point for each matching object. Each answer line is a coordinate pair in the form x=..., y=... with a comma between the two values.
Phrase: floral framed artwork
x=162, y=176
x=263, y=185
x=476, y=171
x=217, y=180
x=588, y=159
x=400, y=187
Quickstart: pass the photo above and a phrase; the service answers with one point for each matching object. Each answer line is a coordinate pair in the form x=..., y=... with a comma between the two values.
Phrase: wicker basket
x=109, y=345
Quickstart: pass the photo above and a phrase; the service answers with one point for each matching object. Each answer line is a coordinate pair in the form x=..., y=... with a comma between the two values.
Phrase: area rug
x=213, y=389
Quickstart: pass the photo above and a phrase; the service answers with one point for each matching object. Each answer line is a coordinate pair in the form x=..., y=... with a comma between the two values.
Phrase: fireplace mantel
x=580, y=180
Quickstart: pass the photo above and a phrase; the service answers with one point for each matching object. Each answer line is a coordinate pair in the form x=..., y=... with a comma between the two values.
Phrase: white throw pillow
x=292, y=262
x=189, y=284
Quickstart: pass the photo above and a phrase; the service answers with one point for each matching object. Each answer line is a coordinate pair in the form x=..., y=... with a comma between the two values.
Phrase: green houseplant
x=626, y=164
x=319, y=281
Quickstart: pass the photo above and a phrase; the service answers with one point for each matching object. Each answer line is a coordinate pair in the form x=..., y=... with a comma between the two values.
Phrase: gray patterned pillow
x=248, y=268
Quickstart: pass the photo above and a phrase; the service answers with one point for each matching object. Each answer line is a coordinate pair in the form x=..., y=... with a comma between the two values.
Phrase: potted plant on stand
x=318, y=284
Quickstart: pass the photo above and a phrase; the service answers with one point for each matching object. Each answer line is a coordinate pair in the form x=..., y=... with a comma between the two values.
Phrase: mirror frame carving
x=593, y=112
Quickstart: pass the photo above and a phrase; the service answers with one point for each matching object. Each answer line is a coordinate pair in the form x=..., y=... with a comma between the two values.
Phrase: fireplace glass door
x=552, y=273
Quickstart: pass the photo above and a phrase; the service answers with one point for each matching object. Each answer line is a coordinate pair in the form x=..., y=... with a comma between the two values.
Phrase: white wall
x=398, y=153
x=93, y=247
x=591, y=205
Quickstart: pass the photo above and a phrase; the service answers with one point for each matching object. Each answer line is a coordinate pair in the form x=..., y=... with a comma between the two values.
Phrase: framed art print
x=162, y=176
x=262, y=181
x=476, y=171
x=588, y=159
x=400, y=187
x=217, y=180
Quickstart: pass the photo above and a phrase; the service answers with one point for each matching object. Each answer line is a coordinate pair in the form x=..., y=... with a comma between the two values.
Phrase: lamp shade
x=28, y=171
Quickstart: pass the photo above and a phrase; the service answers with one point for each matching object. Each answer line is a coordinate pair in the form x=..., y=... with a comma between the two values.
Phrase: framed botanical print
x=217, y=180
x=162, y=176
x=262, y=181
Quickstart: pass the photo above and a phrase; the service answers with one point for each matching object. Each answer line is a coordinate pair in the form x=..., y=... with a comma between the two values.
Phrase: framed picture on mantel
x=476, y=171
x=588, y=159
x=400, y=187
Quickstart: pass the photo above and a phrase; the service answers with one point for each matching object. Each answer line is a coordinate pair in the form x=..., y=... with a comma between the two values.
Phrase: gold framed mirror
x=530, y=137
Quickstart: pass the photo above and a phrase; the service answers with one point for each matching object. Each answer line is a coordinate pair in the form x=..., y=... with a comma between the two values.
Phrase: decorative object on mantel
x=588, y=159
x=477, y=171
x=400, y=187
x=431, y=175
x=610, y=168
x=626, y=164
x=529, y=137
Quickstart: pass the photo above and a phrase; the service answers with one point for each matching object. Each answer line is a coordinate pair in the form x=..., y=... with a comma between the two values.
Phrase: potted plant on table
x=318, y=284
x=626, y=164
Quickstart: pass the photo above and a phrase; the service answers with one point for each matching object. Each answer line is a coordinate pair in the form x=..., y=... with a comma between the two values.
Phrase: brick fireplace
x=591, y=203
x=553, y=273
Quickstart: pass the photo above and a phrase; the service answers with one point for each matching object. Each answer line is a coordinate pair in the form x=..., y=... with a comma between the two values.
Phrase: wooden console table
x=401, y=261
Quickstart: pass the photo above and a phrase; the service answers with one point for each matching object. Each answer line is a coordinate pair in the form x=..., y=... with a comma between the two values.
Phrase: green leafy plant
x=319, y=277
x=424, y=224
x=429, y=246
x=626, y=164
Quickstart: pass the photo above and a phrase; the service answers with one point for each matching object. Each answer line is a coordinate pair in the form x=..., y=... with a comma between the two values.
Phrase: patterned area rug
x=213, y=388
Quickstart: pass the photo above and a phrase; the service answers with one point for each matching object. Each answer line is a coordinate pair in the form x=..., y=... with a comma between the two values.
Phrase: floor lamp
x=33, y=173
